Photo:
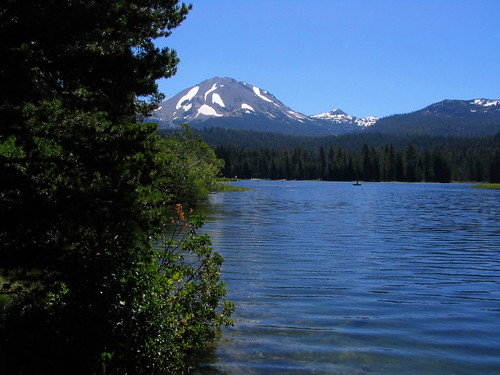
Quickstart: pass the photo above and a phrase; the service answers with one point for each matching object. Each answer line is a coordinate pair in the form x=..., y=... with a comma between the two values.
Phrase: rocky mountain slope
x=225, y=102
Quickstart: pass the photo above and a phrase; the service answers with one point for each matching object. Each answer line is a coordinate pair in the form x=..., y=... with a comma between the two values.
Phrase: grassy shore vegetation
x=231, y=188
x=102, y=271
x=224, y=185
x=487, y=186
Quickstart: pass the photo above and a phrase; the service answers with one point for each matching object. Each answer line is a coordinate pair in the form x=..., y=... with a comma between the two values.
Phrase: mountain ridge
x=449, y=117
x=228, y=103
x=339, y=116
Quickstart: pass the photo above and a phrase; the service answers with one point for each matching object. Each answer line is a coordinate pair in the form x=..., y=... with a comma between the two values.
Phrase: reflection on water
x=334, y=279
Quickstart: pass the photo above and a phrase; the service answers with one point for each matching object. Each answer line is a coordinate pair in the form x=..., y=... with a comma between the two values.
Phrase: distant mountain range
x=464, y=118
x=228, y=103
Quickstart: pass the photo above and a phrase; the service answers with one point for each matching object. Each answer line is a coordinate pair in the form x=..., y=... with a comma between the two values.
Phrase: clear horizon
x=367, y=58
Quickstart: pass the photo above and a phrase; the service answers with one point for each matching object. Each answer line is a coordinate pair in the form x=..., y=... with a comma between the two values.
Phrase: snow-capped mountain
x=338, y=116
x=226, y=102
x=225, y=97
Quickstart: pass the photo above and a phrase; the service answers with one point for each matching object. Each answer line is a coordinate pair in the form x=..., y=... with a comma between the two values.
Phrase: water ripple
x=328, y=279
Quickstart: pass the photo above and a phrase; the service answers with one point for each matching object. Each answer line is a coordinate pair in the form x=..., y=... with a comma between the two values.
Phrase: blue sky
x=366, y=57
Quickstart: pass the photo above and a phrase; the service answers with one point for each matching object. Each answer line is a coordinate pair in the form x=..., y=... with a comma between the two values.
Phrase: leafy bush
x=86, y=287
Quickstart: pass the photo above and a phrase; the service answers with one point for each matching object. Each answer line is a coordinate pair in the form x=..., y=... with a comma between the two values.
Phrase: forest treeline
x=217, y=136
x=426, y=159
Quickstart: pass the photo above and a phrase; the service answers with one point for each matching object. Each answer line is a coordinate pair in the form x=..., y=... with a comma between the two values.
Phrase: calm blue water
x=385, y=278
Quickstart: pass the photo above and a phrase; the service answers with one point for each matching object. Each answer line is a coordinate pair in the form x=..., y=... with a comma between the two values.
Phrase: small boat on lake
x=357, y=184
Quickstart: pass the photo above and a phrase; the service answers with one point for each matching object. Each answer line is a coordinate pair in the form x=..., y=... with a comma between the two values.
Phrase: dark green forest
x=367, y=157
x=102, y=266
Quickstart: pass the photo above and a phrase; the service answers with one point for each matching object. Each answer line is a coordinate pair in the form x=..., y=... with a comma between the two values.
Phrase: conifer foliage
x=87, y=194
x=469, y=161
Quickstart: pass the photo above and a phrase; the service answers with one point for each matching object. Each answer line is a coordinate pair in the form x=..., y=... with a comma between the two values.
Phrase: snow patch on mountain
x=247, y=107
x=214, y=87
x=334, y=116
x=187, y=107
x=207, y=111
x=217, y=99
x=297, y=115
x=486, y=102
x=366, y=121
x=187, y=98
x=338, y=116
x=256, y=90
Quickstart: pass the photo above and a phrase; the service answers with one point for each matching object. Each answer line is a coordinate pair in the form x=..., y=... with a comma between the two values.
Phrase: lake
x=382, y=278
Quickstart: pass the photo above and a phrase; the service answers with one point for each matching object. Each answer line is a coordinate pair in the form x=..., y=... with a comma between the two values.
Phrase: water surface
x=384, y=278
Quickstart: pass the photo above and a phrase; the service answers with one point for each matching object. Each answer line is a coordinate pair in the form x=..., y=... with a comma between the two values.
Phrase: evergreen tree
x=375, y=164
x=330, y=164
x=494, y=170
x=441, y=167
x=287, y=169
x=323, y=168
x=435, y=160
x=85, y=189
x=367, y=168
x=410, y=163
